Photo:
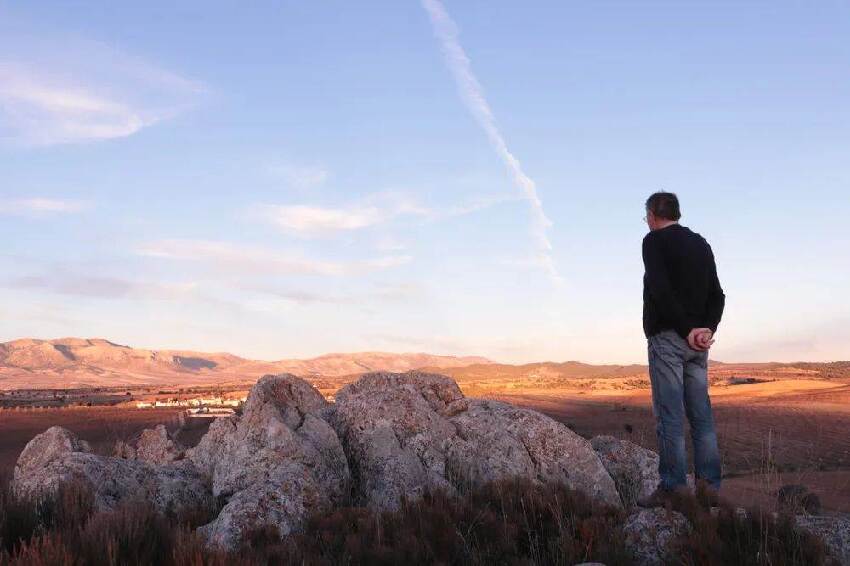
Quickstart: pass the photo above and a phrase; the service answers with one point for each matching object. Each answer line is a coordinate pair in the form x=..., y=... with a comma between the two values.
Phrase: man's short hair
x=664, y=205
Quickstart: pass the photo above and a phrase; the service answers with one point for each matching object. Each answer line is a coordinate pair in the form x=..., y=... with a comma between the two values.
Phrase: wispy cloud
x=240, y=259
x=383, y=293
x=101, y=286
x=41, y=206
x=79, y=91
x=300, y=176
x=310, y=221
x=472, y=93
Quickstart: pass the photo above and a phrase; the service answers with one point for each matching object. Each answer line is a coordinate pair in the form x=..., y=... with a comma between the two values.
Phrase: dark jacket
x=680, y=286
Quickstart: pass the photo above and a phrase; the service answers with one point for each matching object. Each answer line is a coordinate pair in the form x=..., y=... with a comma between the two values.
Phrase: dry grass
x=760, y=538
x=769, y=435
x=503, y=523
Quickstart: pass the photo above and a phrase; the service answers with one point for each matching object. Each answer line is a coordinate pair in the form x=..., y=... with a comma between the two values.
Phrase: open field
x=770, y=434
x=101, y=426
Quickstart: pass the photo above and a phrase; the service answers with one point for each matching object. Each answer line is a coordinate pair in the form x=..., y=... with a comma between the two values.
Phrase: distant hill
x=578, y=375
x=95, y=362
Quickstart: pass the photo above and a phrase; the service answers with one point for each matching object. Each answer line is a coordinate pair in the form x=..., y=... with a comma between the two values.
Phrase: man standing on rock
x=682, y=306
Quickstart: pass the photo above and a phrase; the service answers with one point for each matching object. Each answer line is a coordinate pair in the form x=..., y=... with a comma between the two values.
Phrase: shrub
x=753, y=537
x=501, y=523
x=513, y=522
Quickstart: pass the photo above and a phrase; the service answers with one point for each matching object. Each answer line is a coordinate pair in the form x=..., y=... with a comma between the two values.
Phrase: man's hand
x=705, y=339
x=700, y=339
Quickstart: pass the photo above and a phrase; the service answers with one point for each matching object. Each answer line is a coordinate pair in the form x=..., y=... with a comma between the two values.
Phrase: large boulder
x=633, y=468
x=49, y=445
x=281, y=423
x=396, y=433
x=835, y=532
x=275, y=464
x=281, y=503
x=173, y=489
x=650, y=535
x=156, y=446
x=498, y=441
x=209, y=451
x=405, y=433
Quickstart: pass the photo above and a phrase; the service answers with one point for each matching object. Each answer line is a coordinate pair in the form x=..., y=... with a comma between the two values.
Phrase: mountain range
x=95, y=362
x=68, y=363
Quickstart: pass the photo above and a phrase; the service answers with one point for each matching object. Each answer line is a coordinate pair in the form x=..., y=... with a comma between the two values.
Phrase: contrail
x=470, y=89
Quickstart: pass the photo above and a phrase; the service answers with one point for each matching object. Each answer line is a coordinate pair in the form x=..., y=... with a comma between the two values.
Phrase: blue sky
x=285, y=179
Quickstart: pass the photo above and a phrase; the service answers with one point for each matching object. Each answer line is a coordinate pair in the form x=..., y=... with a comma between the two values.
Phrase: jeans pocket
x=668, y=344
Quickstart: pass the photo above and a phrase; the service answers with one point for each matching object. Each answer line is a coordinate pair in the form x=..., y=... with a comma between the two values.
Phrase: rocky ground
x=387, y=438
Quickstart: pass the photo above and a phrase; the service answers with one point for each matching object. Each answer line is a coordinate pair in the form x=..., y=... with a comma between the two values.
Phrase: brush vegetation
x=502, y=523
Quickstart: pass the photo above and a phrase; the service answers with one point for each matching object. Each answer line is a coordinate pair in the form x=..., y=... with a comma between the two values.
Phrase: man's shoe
x=661, y=497
x=708, y=495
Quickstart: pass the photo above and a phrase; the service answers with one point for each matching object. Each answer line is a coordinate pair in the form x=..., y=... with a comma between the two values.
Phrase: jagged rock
x=47, y=446
x=633, y=468
x=156, y=446
x=209, y=450
x=396, y=433
x=405, y=433
x=649, y=534
x=287, y=455
x=172, y=489
x=835, y=532
x=280, y=424
x=279, y=445
x=281, y=502
x=123, y=450
x=497, y=441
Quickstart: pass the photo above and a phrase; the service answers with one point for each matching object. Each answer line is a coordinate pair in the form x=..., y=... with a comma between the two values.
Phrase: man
x=682, y=306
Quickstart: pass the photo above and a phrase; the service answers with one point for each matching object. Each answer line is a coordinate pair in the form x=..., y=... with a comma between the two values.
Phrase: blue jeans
x=679, y=378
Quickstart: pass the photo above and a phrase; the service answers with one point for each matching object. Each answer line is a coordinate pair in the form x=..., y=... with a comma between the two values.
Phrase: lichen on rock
x=633, y=468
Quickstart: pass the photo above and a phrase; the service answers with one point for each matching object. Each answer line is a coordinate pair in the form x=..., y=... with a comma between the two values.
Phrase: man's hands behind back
x=700, y=339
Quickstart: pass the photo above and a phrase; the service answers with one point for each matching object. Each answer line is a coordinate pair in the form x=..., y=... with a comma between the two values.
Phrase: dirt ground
x=770, y=434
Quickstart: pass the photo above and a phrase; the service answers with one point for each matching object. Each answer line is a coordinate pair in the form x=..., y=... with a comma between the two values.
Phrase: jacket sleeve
x=716, y=299
x=661, y=291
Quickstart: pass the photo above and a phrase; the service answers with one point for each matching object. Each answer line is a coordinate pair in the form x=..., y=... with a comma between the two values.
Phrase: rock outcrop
x=46, y=447
x=156, y=446
x=290, y=454
x=124, y=450
x=275, y=464
x=396, y=434
x=835, y=532
x=406, y=433
x=498, y=441
x=57, y=457
x=650, y=533
x=633, y=468
x=282, y=503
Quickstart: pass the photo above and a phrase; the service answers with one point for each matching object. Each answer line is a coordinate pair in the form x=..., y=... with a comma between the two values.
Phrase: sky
x=286, y=179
